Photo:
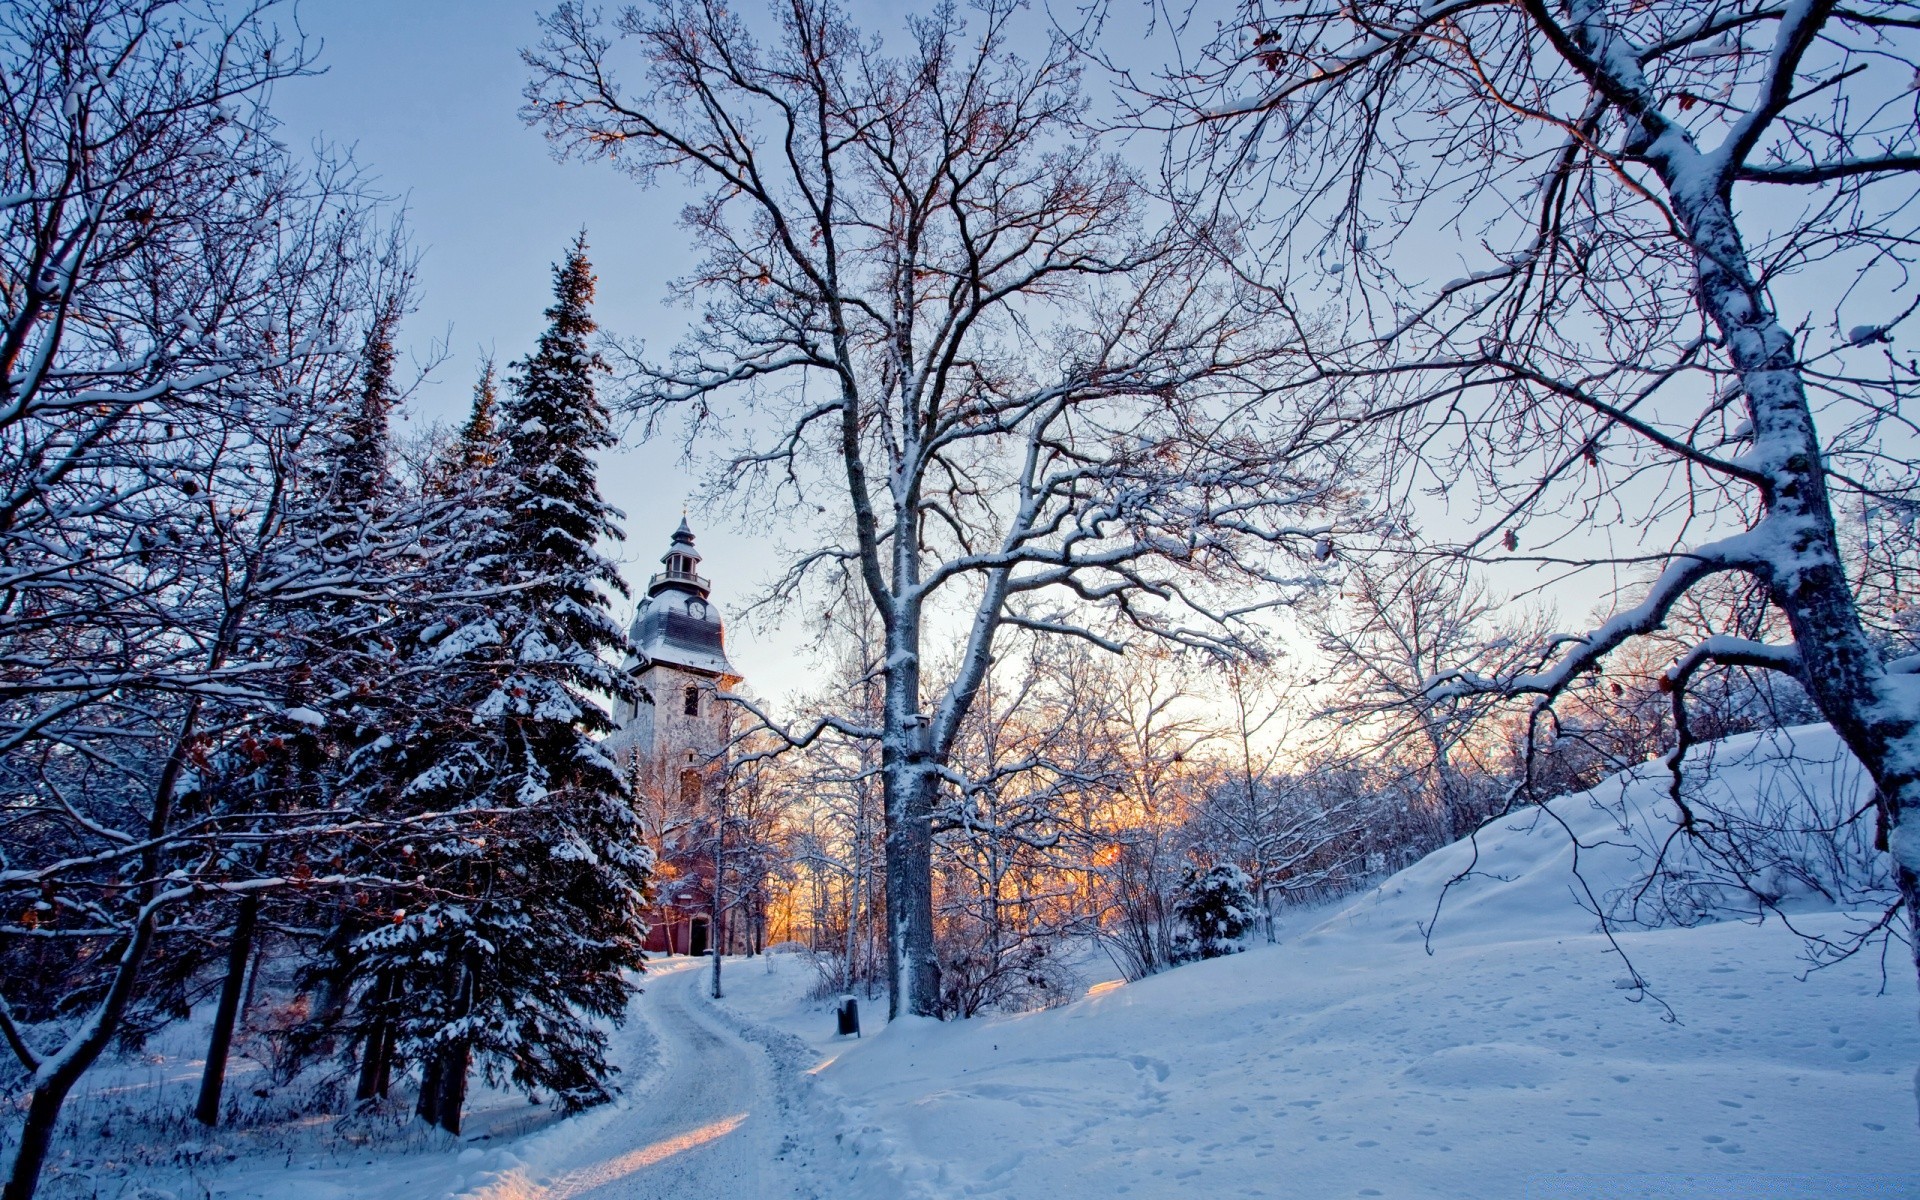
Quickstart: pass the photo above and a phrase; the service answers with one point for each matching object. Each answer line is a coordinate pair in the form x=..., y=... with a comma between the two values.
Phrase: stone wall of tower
x=666, y=730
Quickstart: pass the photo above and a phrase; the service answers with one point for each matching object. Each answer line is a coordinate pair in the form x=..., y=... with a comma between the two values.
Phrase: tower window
x=693, y=701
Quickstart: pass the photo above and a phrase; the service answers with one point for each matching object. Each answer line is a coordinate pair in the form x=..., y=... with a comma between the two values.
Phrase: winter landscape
x=1280, y=598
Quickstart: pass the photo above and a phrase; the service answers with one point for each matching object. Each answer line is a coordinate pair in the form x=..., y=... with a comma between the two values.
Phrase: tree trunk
x=912, y=968
x=253, y=973
x=226, y=1016
x=443, y=1084
x=36, y=1135
x=376, y=1053
x=716, y=905
x=427, y=1108
x=455, y=1062
x=1804, y=573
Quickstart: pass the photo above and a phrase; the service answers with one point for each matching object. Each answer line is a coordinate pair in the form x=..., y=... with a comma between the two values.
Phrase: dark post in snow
x=719, y=864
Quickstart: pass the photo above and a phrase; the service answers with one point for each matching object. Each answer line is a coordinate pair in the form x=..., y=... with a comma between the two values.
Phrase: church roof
x=677, y=624
x=681, y=629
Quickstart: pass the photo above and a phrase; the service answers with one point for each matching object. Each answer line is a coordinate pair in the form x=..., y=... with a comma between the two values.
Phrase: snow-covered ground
x=1512, y=1061
x=1516, y=1059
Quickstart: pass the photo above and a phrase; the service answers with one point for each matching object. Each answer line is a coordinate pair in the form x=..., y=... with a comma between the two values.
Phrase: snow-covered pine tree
x=351, y=571
x=1217, y=906
x=537, y=910
x=360, y=487
x=399, y=950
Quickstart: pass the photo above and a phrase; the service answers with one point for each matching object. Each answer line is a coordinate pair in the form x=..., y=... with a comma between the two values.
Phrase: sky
x=426, y=94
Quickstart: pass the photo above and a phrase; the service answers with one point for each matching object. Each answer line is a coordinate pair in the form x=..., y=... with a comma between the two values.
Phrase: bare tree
x=1033, y=402
x=1395, y=624
x=182, y=303
x=1630, y=183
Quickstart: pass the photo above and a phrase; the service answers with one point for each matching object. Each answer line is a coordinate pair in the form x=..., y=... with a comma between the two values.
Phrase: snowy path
x=715, y=1120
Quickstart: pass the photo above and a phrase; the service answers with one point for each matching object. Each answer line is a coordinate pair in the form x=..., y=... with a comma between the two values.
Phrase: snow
x=1510, y=1055
x=1512, y=1060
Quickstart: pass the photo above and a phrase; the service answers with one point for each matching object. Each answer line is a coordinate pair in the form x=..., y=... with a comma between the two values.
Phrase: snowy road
x=715, y=1120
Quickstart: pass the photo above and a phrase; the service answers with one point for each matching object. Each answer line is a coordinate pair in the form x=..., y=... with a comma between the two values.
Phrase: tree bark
x=443, y=1083
x=376, y=1053
x=220, y=1044
x=912, y=966
x=454, y=1065
x=427, y=1107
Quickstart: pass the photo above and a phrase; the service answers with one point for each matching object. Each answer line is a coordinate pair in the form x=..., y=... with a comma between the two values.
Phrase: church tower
x=669, y=744
x=679, y=721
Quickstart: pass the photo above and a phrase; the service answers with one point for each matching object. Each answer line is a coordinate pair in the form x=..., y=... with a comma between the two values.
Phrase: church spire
x=676, y=626
x=683, y=566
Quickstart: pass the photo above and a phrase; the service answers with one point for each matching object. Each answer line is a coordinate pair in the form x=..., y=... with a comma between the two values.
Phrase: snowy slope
x=1512, y=1061
x=1614, y=849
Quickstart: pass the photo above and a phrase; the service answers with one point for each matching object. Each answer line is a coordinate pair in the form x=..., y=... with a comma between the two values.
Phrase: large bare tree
x=943, y=318
x=1680, y=236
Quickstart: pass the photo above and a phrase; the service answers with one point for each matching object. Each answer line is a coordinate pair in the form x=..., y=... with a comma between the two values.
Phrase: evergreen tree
x=532, y=912
x=356, y=529
x=477, y=446
x=479, y=437
x=1217, y=906
x=359, y=467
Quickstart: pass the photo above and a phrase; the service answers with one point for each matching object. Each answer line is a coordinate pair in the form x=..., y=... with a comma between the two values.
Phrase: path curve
x=711, y=1121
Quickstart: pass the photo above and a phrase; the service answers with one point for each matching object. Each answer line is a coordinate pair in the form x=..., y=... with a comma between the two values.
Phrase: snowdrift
x=1782, y=824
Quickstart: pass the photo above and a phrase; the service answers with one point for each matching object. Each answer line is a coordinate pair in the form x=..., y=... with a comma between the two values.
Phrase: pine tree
x=477, y=446
x=1217, y=906
x=537, y=913
x=359, y=468
x=479, y=438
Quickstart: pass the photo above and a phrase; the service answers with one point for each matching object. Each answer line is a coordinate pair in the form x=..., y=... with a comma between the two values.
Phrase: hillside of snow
x=1515, y=1059
x=1786, y=799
